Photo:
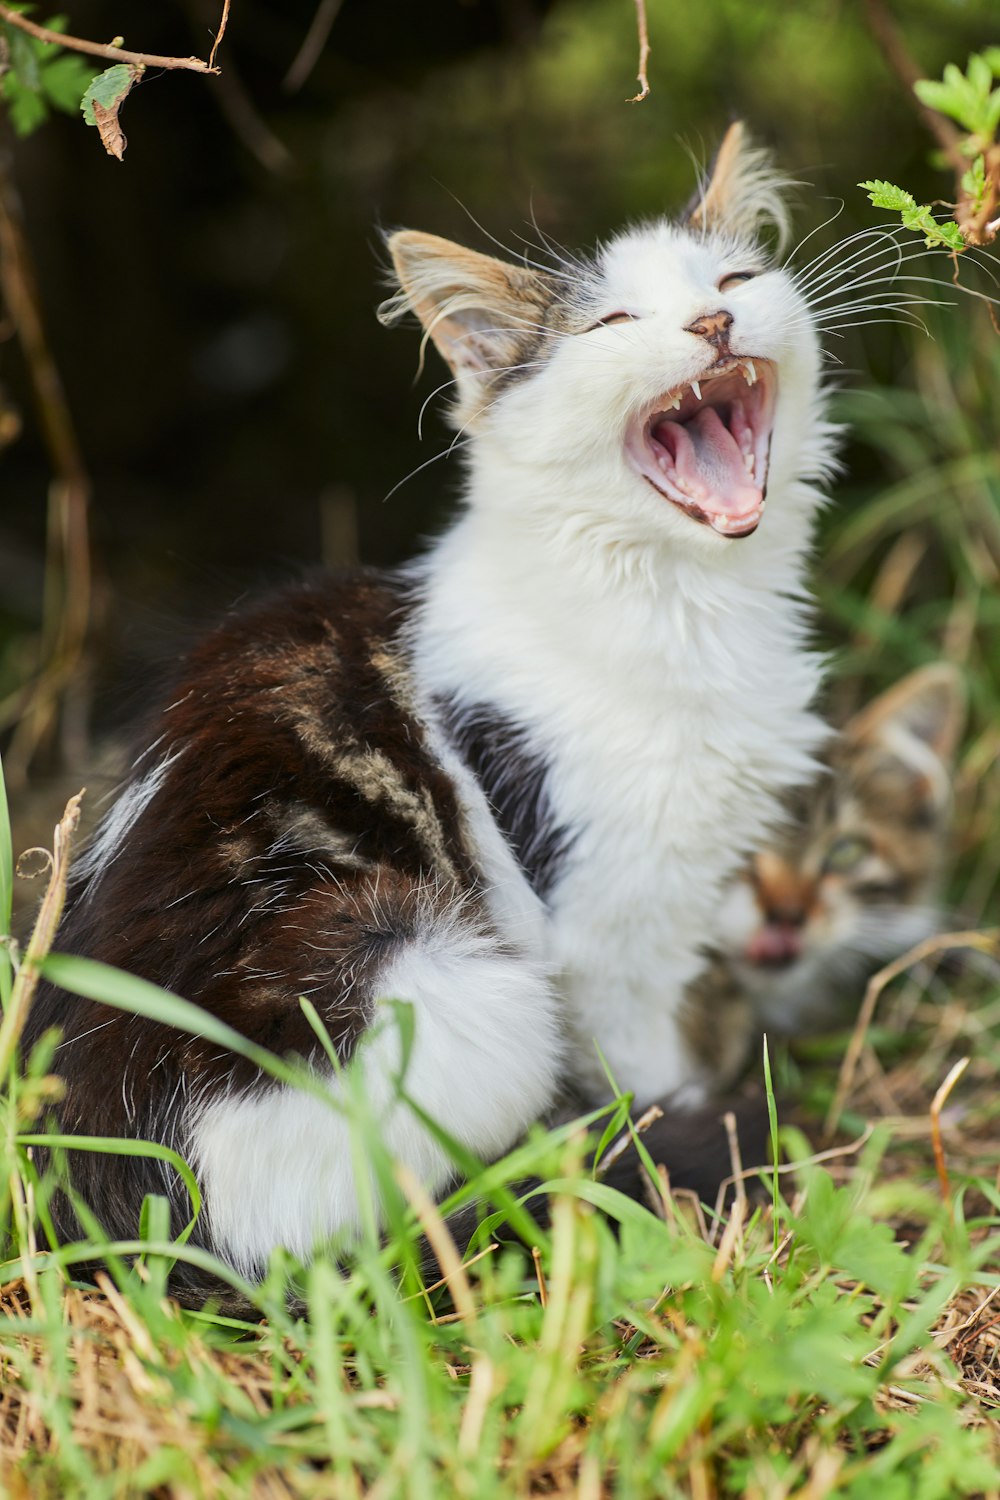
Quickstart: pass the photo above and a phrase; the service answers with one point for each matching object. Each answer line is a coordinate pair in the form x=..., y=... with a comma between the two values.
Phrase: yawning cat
x=506, y=785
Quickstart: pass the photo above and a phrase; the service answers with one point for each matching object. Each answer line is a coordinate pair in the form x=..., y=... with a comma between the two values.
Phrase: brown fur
x=864, y=850
x=303, y=831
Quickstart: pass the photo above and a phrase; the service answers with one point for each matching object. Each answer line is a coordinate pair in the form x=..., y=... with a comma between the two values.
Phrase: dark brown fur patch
x=301, y=830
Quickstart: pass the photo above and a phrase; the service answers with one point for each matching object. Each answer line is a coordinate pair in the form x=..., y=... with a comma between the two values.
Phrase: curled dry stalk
x=985, y=942
x=42, y=937
x=643, y=28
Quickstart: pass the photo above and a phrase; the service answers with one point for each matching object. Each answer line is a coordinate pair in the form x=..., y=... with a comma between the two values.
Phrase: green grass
x=834, y=1337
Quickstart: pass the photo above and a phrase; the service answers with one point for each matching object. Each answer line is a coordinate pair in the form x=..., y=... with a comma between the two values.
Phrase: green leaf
x=65, y=80
x=980, y=74
x=992, y=57
x=23, y=59
x=27, y=109
x=108, y=89
x=887, y=195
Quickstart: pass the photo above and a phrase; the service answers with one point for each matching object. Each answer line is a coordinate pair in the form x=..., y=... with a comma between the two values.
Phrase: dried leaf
x=103, y=100
x=111, y=131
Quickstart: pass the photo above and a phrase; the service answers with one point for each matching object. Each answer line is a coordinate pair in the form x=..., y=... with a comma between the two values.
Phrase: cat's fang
x=705, y=447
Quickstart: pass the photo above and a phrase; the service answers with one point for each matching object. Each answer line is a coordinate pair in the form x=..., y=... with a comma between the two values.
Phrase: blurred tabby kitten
x=850, y=886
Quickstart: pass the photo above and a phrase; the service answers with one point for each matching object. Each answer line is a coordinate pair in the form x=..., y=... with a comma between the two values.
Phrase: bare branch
x=900, y=60
x=108, y=50
x=224, y=22
x=643, y=81
x=313, y=43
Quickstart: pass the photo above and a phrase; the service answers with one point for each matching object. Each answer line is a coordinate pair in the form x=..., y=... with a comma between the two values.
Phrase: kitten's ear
x=743, y=191
x=926, y=711
x=481, y=312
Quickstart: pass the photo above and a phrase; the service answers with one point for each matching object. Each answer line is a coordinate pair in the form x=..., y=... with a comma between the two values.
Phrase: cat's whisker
x=444, y=453
x=876, y=239
x=863, y=255
x=444, y=386
x=876, y=278
x=796, y=249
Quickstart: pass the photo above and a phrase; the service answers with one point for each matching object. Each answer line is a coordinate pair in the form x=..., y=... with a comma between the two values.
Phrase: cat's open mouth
x=705, y=446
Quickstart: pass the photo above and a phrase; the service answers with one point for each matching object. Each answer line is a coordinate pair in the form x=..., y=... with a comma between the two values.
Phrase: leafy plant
x=972, y=101
x=40, y=76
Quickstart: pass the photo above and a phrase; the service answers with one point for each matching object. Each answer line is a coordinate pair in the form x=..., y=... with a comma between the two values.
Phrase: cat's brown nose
x=713, y=326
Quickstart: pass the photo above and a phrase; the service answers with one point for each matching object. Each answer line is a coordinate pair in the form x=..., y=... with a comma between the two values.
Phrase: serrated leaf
x=950, y=235
x=109, y=89
x=888, y=195
x=974, y=180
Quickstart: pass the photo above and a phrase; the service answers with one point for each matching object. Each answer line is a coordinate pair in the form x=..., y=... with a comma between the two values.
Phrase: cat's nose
x=713, y=326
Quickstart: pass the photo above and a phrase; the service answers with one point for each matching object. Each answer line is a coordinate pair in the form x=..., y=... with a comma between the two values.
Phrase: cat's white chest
x=666, y=793
x=668, y=741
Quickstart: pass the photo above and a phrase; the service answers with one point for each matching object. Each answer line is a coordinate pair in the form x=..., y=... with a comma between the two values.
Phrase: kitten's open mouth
x=705, y=446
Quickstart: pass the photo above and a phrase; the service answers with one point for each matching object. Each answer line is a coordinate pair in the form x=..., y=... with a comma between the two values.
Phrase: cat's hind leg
x=275, y=1163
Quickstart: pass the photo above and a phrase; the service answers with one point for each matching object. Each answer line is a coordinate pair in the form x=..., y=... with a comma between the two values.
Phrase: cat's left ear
x=483, y=314
x=743, y=191
x=926, y=711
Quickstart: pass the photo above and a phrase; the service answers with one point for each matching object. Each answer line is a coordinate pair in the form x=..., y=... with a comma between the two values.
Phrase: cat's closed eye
x=612, y=318
x=735, y=279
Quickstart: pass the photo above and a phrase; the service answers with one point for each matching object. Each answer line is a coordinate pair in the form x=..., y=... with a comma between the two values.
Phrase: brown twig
x=313, y=43
x=937, y=1105
x=901, y=61
x=223, y=23
x=984, y=941
x=105, y=49
x=643, y=26
x=68, y=598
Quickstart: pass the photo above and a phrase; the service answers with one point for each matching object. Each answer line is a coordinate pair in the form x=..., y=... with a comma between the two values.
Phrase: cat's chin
x=705, y=446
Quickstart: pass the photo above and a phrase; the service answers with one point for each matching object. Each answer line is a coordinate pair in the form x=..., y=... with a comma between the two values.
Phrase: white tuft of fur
x=276, y=1164
x=109, y=840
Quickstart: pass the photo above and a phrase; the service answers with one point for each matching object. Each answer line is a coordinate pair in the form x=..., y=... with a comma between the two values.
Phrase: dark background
x=240, y=411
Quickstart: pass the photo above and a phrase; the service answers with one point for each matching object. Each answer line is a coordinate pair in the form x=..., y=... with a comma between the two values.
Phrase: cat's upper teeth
x=749, y=372
x=696, y=387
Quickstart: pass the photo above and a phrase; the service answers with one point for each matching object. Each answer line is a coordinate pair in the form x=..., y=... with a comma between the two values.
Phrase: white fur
x=276, y=1167
x=659, y=667
x=110, y=838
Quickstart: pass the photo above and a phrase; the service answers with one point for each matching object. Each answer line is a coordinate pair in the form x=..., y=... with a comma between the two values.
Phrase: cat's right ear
x=926, y=708
x=483, y=314
x=742, y=192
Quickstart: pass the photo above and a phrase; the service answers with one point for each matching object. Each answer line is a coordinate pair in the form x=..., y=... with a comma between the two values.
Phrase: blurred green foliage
x=39, y=76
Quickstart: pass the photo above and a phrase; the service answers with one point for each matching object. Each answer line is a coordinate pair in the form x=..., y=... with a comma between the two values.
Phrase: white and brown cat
x=507, y=785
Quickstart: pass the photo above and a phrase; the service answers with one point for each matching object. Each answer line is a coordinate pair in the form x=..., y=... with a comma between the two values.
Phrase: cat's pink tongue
x=709, y=464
